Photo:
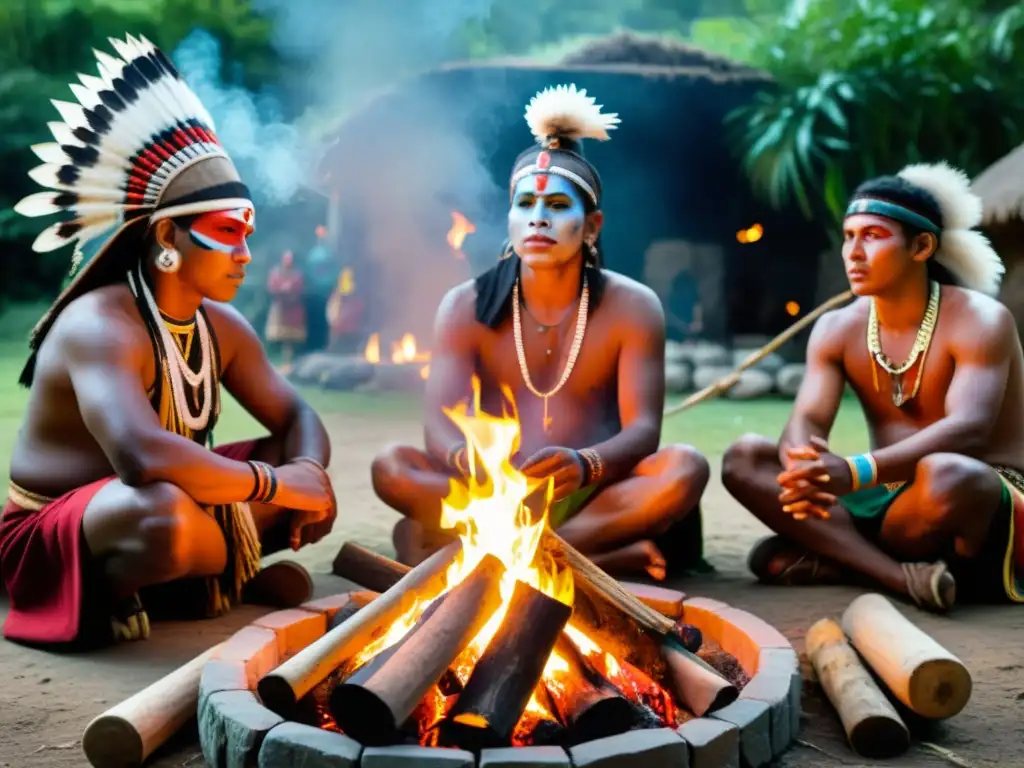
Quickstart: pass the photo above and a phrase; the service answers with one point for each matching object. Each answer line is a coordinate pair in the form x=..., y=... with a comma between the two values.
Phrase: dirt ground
x=46, y=700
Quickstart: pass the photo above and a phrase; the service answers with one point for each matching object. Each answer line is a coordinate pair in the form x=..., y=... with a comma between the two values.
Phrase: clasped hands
x=812, y=479
x=564, y=466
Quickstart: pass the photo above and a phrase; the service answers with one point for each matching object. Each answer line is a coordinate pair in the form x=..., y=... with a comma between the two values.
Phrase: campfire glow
x=461, y=227
x=490, y=518
x=403, y=352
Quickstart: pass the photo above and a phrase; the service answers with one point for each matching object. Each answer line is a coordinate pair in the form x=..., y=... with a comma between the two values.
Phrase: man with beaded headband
x=936, y=508
x=581, y=350
x=114, y=500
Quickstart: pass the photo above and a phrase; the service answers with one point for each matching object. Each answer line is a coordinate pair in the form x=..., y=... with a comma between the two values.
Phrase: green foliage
x=867, y=86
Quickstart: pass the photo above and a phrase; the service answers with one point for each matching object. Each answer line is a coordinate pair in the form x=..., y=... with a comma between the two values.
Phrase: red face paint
x=224, y=231
x=541, y=179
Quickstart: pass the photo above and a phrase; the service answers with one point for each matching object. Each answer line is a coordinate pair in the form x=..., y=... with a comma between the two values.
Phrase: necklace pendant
x=898, y=398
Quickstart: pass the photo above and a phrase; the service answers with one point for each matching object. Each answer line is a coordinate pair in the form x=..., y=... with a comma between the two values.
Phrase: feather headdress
x=964, y=251
x=135, y=147
x=560, y=118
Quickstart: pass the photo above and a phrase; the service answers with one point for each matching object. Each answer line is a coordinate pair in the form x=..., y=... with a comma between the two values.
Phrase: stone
x=753, y=720
x=706, y=375
x=345, y=372
x=415, y=757
x=771, y=364
x=667, y=602
x=706, y=354
x=676, y=352
x=745, y=636
x=775, y=690
x=232, y=726
x=256, y=648
x=329, y=605
x=307, y=369
x=653, y=748
x=752, y=384
x=301, y=746
x=789, y=379
x=525, y=757
x=294, y=627
x=219, y=675
x=706, y=614
x=343, y=615
x=712, y=743
x=678, y=377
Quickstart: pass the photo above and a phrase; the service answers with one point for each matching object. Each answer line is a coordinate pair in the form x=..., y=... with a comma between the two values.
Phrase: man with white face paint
x=582, y=351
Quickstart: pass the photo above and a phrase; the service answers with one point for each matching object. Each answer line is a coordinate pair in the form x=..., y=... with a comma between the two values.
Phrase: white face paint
x=546, y=225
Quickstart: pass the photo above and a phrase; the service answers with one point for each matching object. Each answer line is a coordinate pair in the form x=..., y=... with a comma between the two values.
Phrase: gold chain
x=922, y=342
x=574, y=351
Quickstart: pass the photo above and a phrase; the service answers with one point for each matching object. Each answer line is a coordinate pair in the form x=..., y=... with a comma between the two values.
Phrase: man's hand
x=813, y=478
x=563, y=465
x=305, y=488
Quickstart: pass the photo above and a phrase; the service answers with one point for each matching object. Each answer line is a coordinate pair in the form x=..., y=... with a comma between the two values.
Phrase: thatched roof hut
x=1001, y=187
x=446, y=140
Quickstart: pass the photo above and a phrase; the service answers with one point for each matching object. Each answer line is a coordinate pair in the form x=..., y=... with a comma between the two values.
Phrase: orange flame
x=372, y=352
x=405, y=351
x=461, y=227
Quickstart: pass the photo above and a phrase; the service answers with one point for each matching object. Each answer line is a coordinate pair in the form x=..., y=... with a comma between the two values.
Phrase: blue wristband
x=863, y=470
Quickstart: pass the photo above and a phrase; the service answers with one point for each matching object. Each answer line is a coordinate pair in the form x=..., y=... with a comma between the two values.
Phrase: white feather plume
x=962, y=250
x=564, y=110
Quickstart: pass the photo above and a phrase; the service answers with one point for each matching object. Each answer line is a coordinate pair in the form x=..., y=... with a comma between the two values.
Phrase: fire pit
x=236, y=728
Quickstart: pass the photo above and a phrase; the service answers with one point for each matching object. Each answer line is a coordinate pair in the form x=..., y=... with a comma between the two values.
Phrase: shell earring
x=168, y=261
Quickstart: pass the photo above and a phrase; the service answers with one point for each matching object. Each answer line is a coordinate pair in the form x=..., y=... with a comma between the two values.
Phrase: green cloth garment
x=565, y=508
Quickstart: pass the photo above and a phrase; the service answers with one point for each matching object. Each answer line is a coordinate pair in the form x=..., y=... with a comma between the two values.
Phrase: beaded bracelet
x=594, y=465
x=265, y=486
x=863, y=470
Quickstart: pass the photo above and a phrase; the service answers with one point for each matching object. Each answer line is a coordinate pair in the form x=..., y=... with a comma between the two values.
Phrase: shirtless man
x=113, y=498
x=582, y=350
x=931, y=511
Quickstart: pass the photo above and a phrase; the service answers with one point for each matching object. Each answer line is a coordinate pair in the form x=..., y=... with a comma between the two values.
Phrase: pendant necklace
x=922, y=342
x=574, y=351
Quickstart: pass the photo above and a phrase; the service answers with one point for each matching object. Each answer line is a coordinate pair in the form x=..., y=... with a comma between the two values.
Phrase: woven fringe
x=244, y=553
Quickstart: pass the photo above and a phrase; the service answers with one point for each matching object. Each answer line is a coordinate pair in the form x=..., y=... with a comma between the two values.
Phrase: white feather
x=50, y=153
x=63, y=134
x=72, y=114
x=37, y=204
x=961, y=208
x=563, y=110
x=970, y=257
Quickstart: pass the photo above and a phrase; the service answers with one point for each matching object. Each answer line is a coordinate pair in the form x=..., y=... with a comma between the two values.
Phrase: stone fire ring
x=236, y=730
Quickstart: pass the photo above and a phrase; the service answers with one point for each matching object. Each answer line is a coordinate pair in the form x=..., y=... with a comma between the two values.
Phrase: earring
x=508, y=253
x=168, y=261
x=592, y=249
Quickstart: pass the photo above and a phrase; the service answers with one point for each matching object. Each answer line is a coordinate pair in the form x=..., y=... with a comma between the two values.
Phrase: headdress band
x=892, y=211
x=533, y=168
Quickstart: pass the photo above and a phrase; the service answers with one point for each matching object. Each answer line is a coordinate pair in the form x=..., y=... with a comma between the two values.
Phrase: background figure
x=286, y=322
x=345, y=313
x=322, y=274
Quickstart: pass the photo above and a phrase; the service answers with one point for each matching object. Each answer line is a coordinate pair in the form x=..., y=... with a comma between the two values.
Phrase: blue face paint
x=224, y=231
x=546, y=225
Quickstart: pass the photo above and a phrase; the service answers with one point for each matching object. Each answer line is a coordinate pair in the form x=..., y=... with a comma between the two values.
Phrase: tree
x=867, y=86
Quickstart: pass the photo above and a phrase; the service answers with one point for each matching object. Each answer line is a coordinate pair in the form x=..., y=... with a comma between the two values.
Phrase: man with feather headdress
x=936, y=508
x=582, y=351
x=115, y=505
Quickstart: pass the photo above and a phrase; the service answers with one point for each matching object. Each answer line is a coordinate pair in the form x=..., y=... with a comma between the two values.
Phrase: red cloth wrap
x=42, y=555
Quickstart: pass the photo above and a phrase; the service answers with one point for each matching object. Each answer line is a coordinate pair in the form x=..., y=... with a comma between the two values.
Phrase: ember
x=450, y=670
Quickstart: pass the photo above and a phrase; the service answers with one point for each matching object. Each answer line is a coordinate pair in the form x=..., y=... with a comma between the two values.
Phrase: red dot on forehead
x=541, y=181
x=543, y=161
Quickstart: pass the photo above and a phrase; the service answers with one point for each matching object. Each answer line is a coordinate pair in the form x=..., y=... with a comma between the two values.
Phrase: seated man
x=936, y=364
x=581, y=350
x=112, y=490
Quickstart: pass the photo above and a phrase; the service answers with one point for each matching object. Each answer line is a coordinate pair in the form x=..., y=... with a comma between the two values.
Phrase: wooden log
x=367, y=568
x=924, y=676
x=282, y=688
x=589, y=706
x=505, y=676
x=872, y=725
x=667, y=602
x=376, y=701
x=127, y=734
x=695, y=682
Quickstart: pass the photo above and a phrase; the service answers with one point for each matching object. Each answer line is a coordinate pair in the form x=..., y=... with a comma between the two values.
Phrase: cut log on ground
x=696, y=683
x=872, y=724
x=376, y=701
x=367, y=568
x=128, y=733
x=281, y=689
x=927, y=678
x=588, y=704
x=505, y=676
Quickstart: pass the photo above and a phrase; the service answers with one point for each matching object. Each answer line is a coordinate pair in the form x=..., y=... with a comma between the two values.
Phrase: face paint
x=543, y=162
x=224, y=231
x=547, y=227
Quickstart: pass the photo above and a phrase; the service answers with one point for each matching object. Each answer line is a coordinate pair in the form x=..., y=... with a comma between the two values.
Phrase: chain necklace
x=574, y=351
x=919, y=350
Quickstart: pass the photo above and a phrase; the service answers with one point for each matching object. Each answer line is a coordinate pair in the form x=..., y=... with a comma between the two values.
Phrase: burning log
x=374, y=702
x=697, y=684
x=281, y=689
x=589, y=705
x=506, y=675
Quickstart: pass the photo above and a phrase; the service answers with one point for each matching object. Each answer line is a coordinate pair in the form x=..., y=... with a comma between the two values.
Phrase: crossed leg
x=948, y=508
x=616, y=528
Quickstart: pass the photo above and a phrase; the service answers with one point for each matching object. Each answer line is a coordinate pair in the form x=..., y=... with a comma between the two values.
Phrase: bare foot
x=639, y=557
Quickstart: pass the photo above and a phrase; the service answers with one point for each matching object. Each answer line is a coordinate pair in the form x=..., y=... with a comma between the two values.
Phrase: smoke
x=271, y=154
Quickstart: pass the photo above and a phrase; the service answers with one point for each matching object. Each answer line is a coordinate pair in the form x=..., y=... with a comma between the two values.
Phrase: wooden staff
x=589, y=705
x=872, y=725
x=922, y=674
x=374, y=703
x=726, y=383
x=128, y=733
x=282, y=688
x=503, y=679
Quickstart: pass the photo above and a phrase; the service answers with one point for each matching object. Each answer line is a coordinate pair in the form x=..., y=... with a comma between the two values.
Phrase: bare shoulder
x=104, y=321
x=977, y=318
x=635, y=303
x=226, y=317
x=835, y=329
x=458, y=307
